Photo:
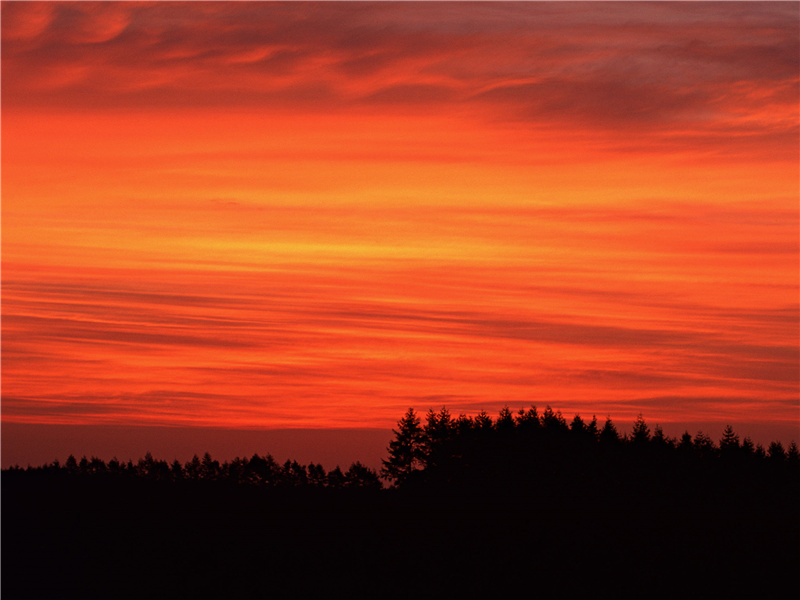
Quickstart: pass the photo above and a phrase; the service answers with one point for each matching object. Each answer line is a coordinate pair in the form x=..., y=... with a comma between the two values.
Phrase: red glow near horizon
x=317, y=215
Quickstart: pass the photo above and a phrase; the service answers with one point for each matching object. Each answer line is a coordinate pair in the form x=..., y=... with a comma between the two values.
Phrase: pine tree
x=505, y=420
x=405, y=451
x=729, y=444
x=192, y=468
x=209, y=468
x=528, y=419
x=578, y=426
x=793, y=454
x=360, y=476
x=437, y=437
x=608, y=435
x=776, y=451
x=641, y=432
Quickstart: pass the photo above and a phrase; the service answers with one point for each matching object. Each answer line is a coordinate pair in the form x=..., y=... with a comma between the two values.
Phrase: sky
x=312, y=216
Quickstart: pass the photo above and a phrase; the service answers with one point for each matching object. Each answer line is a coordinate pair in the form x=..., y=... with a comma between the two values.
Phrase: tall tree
x=729, y=444
x=405, y=451
x=608, y=435
x=437, y=437
x=505, y=420
x=640, y=434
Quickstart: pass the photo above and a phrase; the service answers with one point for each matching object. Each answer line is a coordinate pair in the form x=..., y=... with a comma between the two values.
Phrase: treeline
x=523, y=448
x=260, y=471
x=476, y=505
x=547, y=454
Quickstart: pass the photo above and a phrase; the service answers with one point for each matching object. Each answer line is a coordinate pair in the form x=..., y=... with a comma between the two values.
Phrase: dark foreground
x=73, y=537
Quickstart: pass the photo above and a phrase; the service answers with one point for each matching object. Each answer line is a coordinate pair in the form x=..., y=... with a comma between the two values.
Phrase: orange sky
x=257, y=215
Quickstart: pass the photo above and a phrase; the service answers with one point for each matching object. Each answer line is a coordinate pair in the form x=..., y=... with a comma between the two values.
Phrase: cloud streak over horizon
x=319, y=214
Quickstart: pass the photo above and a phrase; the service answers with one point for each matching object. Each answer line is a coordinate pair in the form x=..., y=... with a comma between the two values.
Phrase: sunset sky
x=316, y=215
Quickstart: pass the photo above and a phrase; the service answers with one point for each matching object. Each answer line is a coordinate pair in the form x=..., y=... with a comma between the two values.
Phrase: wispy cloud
x=319, y=214
x=670, y=69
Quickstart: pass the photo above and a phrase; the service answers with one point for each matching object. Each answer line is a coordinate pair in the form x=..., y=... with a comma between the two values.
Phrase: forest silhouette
x=469, y=505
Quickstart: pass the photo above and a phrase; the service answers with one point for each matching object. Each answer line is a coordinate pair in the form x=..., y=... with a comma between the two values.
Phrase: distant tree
x=592, y=428
x=71, y=465
x=640, y=434
x=236, y=470
x=528, y=420
x=96, y=465
x=686, y=445
x=405, y=451
x=437, y=435
x=295, y=474
x=209, y=468
x=263, y=470
x=463, y=425
x=192, y=468
x=729, y=443
x=659, y=440
x=703, y=444
x=483, y=422
x=553, y=421
x=317, y=475
x=360, y=476
x=505, y=420
x=759, y=452
x=792, y=453
x=176, y=470
x=336, y=478
x=578, y=425
x=609, y=435
x=776, y=452
x=145, y=465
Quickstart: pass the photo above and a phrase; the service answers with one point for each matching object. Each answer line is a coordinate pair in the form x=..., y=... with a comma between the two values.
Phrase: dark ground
x=99, y=538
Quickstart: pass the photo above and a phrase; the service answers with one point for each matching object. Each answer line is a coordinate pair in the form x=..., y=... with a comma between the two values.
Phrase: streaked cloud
x=319, y=214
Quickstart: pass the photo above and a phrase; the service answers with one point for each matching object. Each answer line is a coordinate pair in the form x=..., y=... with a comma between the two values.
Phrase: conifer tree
x=608, y=435
x=730, y=441
x=437, y=436
x=528, y=419
x=335, y=479
x=483, y=421
x=641, y=432
x=792, y=453
x=505, y=420
x=776, y=452
x=405, y=451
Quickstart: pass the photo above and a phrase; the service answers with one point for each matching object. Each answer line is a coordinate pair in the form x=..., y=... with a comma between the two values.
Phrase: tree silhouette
x=640, y=434
x=316, y=475
x=209, y=468
x=729, y=443
x=176, y=470
x=608, y=435
x=405, y=451
x=192, y=468
x=704, y=445
x=553, y=421
x=505, y=420
x=776, y=452
x=336, y=478
x=793, y=454
x=359, y=476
